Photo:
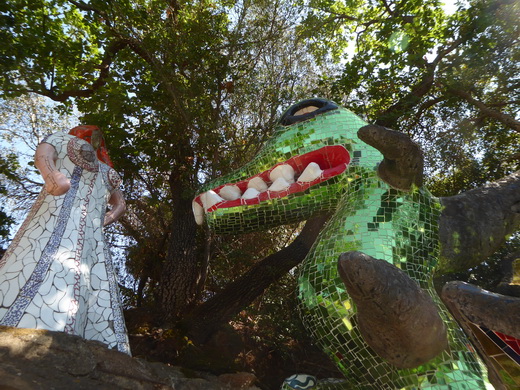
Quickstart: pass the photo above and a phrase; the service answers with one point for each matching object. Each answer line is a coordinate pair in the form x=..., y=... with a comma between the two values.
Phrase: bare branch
x=503, y=104
x=389, y=117
x=484, y=108
x=387, y=7
x=441, y=54
x=110, y=52
x=87, y=7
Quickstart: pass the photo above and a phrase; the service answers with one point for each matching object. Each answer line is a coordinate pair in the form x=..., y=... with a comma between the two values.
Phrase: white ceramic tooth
x=311, y=172
x=198, y=212
x=230, y=192
x=257, y=183
x=279, y=184
x=210, y=199
x=285, y=171
x=250, y=193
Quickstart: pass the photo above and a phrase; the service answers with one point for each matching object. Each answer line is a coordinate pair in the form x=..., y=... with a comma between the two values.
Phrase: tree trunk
x=211, y=315
x=181, y=270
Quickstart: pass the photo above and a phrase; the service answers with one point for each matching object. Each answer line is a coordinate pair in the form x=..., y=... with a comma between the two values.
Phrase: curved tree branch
x=110, y=53
x=86, y=7
x=208, y=317
x=390, y=116
x=485, y=109
x=122, y=41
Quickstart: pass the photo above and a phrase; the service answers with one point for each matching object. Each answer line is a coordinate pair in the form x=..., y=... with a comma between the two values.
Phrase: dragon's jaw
x=306, y=168
x=289, y=178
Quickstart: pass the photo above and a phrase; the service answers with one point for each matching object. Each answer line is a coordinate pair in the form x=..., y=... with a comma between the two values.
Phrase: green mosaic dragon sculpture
x=374, y=311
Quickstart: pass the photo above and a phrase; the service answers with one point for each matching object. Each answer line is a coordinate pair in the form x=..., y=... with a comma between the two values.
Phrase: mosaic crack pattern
x=57, y=273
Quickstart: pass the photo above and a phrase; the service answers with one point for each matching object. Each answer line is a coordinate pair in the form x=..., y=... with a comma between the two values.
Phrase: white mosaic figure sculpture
x=58, y=274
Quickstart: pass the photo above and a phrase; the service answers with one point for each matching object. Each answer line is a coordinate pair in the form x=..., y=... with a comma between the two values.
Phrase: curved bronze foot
x=397, y=319
x=490, y=310
x=482, y=314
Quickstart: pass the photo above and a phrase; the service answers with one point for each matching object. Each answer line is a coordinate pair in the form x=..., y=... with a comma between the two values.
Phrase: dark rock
x=42, y=360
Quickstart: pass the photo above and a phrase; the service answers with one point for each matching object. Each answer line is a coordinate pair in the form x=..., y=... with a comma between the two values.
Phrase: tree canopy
x=450, y=81
x=184, y=91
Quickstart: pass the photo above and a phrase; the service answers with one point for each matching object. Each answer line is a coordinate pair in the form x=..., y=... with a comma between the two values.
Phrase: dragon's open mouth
x=292, y=176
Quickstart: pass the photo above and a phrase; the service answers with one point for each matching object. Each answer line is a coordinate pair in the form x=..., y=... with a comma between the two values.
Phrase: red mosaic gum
x=333, y=160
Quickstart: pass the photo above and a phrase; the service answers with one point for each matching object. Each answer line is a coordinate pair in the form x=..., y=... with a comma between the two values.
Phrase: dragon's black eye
x=306, y=109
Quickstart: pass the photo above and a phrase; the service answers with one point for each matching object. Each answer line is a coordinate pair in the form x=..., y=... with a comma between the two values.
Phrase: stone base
x=39, y=359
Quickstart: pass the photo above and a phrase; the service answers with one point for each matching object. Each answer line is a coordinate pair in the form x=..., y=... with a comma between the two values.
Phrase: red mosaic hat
x=85, y=132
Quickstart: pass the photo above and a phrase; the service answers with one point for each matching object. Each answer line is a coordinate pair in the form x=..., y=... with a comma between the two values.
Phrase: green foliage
x=161, y=80
x=450, y=81
x=183, y=90
x=42, y=44
x=6, y=166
